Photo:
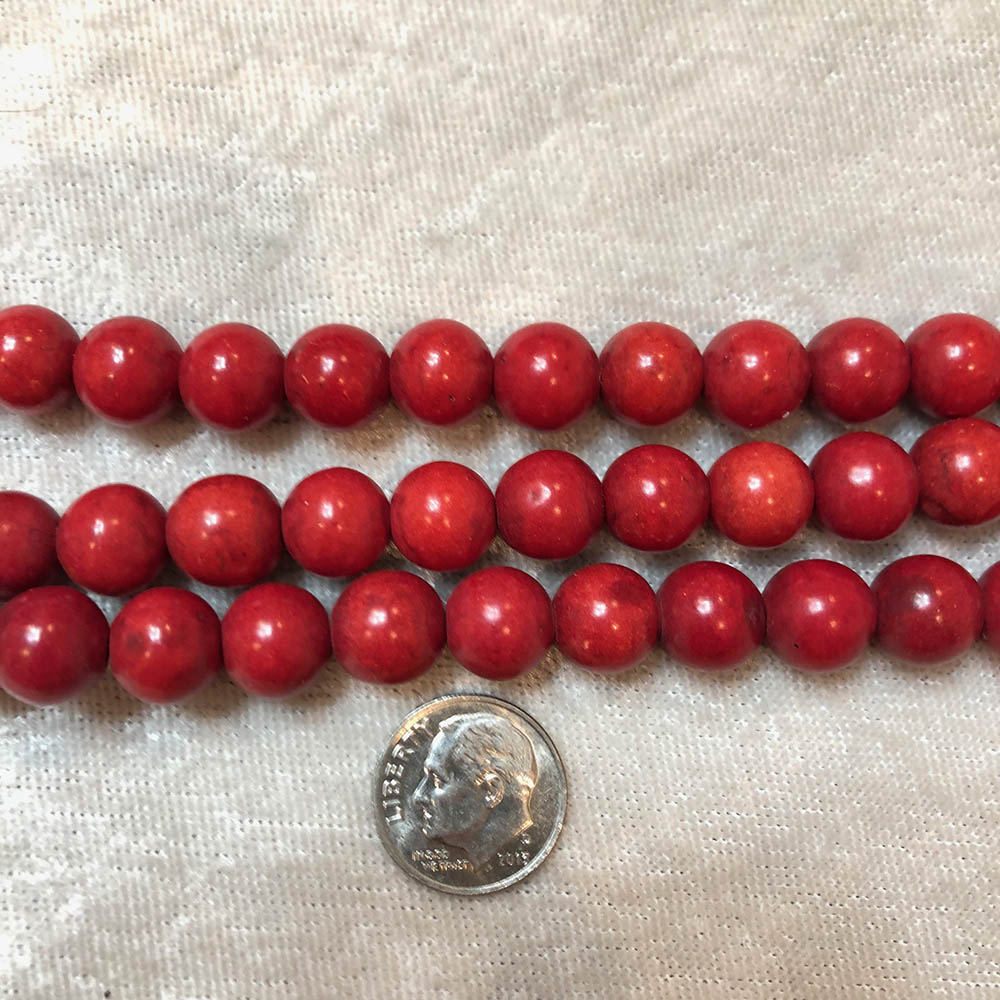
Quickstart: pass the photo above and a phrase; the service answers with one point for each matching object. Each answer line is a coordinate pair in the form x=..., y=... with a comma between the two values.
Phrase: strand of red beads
x=228, y=530
x=390, y=626
x=232, y=376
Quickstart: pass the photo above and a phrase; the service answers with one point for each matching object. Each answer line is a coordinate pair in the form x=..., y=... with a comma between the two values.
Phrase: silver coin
x=471, y=794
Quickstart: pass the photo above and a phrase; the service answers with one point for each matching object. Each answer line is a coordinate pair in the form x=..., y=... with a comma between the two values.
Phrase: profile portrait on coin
x=479, y=776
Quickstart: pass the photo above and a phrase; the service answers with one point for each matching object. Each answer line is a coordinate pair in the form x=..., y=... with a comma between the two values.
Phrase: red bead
x=36, y=359
x=711, y=615
x=954, y=365
x=499, y=622
x=441, y=372
x=111, y=540
x=125, y=370
x=546, y=376
x=27, y=541
x=337, y=376
x=820, y=614
x=606, y=617
x=651, y=373
x=231, y=377
x=958, y=468
x=929, y=609
x=761, y=494
x=225, y=531
x=443, y=516
x=989, y=584
x=165, y=645
x=275, y=640
x=655, y=497
x=866, y=486
x=53, y=644
x=388, y=627
x=336, y=522
x=755, y=373
x=860, y=369
x=549, y=505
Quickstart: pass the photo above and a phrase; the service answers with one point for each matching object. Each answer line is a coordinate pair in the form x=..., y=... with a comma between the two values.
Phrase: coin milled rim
x=543, y=852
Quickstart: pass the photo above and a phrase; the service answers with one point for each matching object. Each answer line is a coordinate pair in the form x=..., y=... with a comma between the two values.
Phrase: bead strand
x=390, y=626
x=228, y=530
x=232, y=376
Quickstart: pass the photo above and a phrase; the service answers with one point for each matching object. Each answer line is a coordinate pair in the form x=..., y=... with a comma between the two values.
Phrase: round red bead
x=165, y=645
x=546, y=376
x=651, y=373
x=549, y=505
x=655, y=497
x=275, y=639
x=225, y=531
x=53, y=644
x=27, y=541
x=820, y=614
x=125, y=370
x=36, y=359
x=761, y=494
x=499, y=622
x=441, y=372
x=989, y=584
x=336, y=522
x=929, y=609
x=111, y=540
x=958, y=468
x=755, y=373
x=231, y=377
x=866, y=486
x=442, y=516
x=860, y=369
x=606, y=617
x=954, y=365
x=387, y=627
x=337, y=376
x=711, y=615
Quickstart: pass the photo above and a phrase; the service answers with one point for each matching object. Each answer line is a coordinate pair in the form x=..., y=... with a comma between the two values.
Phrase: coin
x=471, y=794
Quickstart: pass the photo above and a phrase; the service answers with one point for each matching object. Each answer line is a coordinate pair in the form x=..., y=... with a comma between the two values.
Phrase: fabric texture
x=759, y=835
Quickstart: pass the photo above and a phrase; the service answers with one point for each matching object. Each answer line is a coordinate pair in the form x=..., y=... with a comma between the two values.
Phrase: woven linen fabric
x=764, y=834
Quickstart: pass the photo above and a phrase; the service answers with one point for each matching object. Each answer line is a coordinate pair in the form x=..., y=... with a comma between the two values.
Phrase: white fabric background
x=760, y=835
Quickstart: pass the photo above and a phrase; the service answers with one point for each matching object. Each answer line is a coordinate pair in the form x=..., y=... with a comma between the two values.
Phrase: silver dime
x=471, y=794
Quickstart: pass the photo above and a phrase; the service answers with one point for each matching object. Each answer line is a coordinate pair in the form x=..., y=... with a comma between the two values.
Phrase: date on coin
x=471, y=794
